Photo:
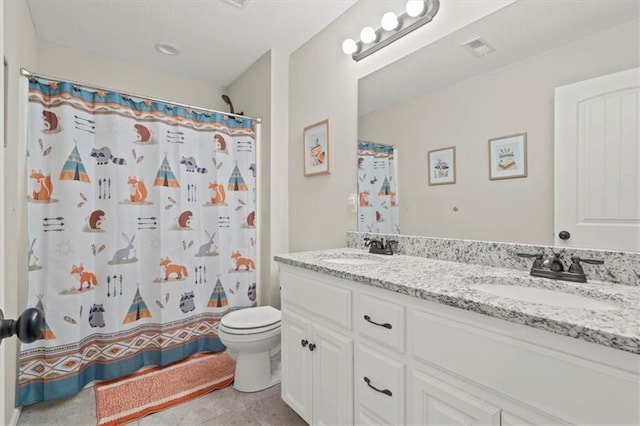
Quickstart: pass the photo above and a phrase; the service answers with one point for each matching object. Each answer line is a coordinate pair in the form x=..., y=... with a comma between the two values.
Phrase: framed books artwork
x=442, y=166
x=316, y=148
x=508, y=157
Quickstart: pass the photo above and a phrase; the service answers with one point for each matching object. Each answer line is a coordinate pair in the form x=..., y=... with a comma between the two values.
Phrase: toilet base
x=256, y=371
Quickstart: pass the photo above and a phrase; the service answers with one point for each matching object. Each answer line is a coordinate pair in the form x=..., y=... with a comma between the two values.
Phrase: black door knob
x=564, y=235
x=304, y=342
x=28, y=327
x=312, y=347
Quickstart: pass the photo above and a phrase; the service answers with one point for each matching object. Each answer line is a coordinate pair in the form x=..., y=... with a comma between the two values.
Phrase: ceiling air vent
x=478, y=47
x=240, y=4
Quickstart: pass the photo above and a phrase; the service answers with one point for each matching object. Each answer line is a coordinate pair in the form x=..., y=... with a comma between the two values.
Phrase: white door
x=597, y=163
x=332, y=377
x=296, y=363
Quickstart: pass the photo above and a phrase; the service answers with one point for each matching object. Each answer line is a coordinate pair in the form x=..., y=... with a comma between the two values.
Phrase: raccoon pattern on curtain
x=141, y=221
x=377, y=189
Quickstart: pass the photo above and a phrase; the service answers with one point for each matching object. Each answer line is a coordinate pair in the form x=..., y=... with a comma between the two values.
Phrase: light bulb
x=368, y=35
x=414, y=7
x=389, y=21
x=349, y=46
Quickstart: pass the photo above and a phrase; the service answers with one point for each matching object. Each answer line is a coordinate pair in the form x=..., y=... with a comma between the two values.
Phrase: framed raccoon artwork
x=508, y=157
x=442, y=166
x=316, y=148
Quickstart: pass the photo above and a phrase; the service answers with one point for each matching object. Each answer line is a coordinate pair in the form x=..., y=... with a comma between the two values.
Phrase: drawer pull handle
x=385, y=325
x=385, y=391
x=304, y=342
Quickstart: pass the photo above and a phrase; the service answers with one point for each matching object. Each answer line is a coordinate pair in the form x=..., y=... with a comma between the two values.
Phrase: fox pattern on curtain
x=141, y=233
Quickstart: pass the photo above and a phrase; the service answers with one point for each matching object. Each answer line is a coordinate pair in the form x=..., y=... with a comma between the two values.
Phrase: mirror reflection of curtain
x=377, y=188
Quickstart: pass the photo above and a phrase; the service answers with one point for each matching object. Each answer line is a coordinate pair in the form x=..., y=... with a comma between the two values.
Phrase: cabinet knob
x=312, y=347
x=564, y=235
x=304, y=342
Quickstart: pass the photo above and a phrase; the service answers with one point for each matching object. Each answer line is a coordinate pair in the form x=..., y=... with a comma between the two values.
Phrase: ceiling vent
x=240, y=4
x=478, y=47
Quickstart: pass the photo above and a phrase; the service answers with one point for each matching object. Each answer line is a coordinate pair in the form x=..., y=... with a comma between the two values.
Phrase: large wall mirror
x=476, y=97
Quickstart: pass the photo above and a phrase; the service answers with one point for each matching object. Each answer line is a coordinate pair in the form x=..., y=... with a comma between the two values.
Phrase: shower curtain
x=377, y=189
x=141, y=233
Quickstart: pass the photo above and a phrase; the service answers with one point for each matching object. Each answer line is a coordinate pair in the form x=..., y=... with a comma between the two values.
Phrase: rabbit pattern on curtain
x=377, y=189
x=141, y=233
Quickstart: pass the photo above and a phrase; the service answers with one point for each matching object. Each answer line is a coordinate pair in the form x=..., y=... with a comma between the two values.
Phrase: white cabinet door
x=597, y=162
x=332, y=377
x=433, y=402
x=296, y=363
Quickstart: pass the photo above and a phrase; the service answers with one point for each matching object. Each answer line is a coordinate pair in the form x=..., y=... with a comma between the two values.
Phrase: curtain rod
x=26, y=73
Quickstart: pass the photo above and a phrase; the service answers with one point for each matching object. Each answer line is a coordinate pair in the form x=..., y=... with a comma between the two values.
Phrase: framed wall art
x=316, y=148
x=508, y=157
x=442, y=166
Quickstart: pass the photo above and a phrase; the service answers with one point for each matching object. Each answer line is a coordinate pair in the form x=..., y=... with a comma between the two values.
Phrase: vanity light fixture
x=418, y=13
x=368, y=35
x=415, y=8
x=389, y=21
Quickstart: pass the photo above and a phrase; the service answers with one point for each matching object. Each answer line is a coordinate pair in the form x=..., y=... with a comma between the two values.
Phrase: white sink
x=353, y=261
x=544, y=297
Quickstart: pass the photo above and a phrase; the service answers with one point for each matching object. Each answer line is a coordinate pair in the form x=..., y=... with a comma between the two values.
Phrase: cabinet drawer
x=327, y=301
x=381, y=321
x=380, y=382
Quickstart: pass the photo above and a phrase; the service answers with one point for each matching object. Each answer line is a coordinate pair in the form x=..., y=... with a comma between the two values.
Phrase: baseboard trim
x=15, y=416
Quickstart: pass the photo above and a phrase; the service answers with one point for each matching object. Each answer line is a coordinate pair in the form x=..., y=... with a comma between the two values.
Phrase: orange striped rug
x=123, y=400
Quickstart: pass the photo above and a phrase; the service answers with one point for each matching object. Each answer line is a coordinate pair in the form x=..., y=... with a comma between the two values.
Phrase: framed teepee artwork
x=442, y=166
x=508, y=157
x=316, y=148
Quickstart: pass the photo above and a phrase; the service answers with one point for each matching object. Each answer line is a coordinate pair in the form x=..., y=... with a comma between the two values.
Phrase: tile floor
x=221, y=407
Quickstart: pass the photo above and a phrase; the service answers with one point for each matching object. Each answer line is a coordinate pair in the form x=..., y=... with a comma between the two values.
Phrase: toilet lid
x=261, y=316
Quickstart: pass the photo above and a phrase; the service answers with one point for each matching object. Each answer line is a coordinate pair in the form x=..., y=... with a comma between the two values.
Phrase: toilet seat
x=256, y=320
x=247, y=331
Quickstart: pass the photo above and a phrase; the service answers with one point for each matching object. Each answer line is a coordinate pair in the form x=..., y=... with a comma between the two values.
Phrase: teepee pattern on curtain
x=135, y=248
x=377, y=189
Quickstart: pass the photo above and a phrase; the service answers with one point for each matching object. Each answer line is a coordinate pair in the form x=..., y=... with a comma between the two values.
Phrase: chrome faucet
x=554, y=268
x=378, y=246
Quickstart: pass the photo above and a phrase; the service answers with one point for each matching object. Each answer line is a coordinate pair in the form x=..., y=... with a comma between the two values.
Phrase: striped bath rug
x=123, y=400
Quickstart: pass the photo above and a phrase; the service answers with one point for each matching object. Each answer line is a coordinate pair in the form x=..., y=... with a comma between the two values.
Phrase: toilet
x=252, y=336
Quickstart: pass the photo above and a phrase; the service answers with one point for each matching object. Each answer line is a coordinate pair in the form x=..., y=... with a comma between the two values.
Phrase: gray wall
x=261, y=92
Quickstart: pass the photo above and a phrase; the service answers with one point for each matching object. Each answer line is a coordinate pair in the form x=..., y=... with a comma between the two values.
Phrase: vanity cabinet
x=395, y=359
x=317, y=350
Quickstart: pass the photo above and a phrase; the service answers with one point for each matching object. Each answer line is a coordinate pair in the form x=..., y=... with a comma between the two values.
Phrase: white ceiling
x=517, y=31
x=217, y=40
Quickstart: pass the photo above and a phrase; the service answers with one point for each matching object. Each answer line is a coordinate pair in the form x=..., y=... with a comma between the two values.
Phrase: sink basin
x=544, y=297
x=353, y=261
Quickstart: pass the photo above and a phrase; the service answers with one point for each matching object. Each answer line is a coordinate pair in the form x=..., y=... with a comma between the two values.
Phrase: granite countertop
x=450, y=283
